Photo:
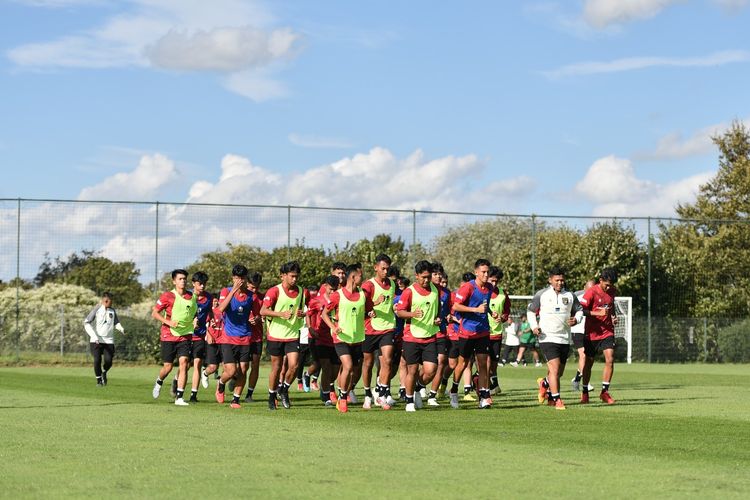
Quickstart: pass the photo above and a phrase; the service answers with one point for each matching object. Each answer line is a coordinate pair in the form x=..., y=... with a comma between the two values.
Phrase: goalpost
x=623, y=330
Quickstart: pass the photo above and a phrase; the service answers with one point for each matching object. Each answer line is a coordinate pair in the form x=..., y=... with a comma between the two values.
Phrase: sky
x=577, y=107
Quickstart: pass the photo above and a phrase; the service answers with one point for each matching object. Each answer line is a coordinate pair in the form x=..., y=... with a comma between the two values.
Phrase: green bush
x=140, y=342
x=734, y=342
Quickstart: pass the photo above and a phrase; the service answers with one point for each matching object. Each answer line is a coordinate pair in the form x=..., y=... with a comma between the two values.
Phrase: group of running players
x=428, y=336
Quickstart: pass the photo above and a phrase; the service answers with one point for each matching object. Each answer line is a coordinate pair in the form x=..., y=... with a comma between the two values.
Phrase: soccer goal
x=519, y=304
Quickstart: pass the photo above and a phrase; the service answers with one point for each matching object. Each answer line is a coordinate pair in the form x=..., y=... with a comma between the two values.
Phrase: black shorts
x=552, y=351
x=353, y=350
x=327, y=352
x=175, y=350
x=531, y=345
x=469, y=347
x=256, y=348
x=594, y=347
x=374, y=342
x=276, y=348
x=443, y=346
x=233, y=353
x=496, y=345
x=578, y=340
x=213, y=354
x=198, y=349
x=453, y=349
x=415, y=353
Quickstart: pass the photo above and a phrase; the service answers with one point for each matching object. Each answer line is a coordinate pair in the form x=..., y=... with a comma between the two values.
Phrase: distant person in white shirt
x=100, y=325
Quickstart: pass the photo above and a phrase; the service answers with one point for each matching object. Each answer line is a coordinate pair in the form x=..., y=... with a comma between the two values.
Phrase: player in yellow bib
x=419, y=305
x=284, y=306
x=379, y=332
x=498, y=316
x=350, y=306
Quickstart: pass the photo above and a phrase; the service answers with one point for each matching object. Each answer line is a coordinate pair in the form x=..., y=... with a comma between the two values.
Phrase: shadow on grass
x=74, y=405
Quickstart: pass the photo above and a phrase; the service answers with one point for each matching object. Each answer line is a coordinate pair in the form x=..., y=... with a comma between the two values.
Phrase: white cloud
x=636, y=63
x=732, y=6
x=612, y=185
x=602, y=13
x=221, y=49
x=674, y=146
x=229, y=36
x=315, y=141
x=153, y=173
x=59, y=3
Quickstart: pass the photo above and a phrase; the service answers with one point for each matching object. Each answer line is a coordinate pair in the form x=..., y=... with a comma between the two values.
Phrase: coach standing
x=100, y=325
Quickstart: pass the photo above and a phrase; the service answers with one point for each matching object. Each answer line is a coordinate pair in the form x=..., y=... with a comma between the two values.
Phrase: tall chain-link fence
x=674, y=276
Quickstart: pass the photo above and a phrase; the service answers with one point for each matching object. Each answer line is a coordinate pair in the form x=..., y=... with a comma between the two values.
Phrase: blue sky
x=596, y=107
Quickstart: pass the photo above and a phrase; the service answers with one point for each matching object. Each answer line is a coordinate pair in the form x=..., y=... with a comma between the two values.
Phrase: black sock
x=342, y=394
x=420, y=386
x=235, y=399
x=221, y=387
x=578, y=376
x=444, y=380
x=554, y=397
x=410, y=399
x=493, y=382
x=99, y=378
x=545, y=383
x=433, y=395
x=454, y=388
x=159, y=381
x=467, y=389
x=368, y=392
x=585, y=388
x=193, y=393
x=180, y=393
x=605, y=386
x=402, y=391
x=272, y=395
x=249, y=392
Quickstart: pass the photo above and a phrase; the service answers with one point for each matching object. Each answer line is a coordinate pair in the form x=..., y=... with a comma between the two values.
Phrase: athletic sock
x=368, y=392
x=193, y=393
x=99, y=378
x=493, y=381
x=605, y=386
x=236, y=398
x=554, y=397
x=454, y=388
x=585, y=388
x=271, y=395
x=402, y=391
x=410, y=399
x=484, y=393
x=180, y=393
x=467, y=389
x=444, y=380
x=159, y=381
x=342, y=394
x=579, y=375
x=284, y=389
x=545, y=383
x=220, y=387
x=433, y=394
x=249, y=392
x=420, y=386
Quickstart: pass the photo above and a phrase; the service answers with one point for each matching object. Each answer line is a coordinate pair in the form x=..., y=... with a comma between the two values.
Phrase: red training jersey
x=165, y=303
x=315, y=312
x=333, y=305
x=369, y=290
x=596, y=299
x=404, y=304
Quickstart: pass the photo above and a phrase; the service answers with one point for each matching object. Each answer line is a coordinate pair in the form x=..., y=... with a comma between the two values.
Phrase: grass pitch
x=676, y=431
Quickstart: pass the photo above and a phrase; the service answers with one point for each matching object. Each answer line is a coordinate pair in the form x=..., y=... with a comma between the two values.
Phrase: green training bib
x=351, y=318
x=384, y=318
x=424, y=327
x=183, y=311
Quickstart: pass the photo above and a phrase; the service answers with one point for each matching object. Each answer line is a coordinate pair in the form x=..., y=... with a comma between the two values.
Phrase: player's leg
x=276, y=352
x=240, y=375
x=108, y=354
x=494, y=359
x=184, y=362
x=384, y=376
x=344, y=376
x=578, y=345
x=442, y=362
x=96, y=353
x=608, y=349
x=412, y=359
x=429, y=372
x=252, y=376
x=292, y=355
x=590, y=348
x=168, y=354
x=370, y=350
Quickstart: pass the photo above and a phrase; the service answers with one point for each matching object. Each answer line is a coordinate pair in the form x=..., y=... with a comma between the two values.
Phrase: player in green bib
x=498, y=316
x=379, y=332
x=349, y=306
x=176, y=311
x=419, y=306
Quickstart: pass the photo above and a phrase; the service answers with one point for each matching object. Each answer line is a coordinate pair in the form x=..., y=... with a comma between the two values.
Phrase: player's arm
x=576, y=312
x=462, y=297
x=237, y=282
x=506, y=308
x=88, y=325
x=118, y=325
x=534, y=307
x=158, y=311
x=404, y=305
x=326, y=317
x=268, y=302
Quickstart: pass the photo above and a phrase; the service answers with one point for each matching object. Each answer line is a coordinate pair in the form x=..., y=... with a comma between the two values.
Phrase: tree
x=96, y=273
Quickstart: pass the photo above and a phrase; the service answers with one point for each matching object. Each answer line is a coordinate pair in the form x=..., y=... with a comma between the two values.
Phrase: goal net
x=519, y=304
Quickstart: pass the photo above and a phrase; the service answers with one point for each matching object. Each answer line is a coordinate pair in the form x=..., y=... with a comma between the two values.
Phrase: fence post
x=413, y=227
x=288, y=232
x=648, y=293
x=18, y=280
x=62, y=330
x=533, y=254
x=705, y=340
x=156, y=253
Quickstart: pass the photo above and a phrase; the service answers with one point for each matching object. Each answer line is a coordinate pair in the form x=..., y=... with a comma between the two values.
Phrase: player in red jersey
x=379, y=332
x=419, y=306
x=284, y=306
x=176, y=311
x=350, y=306
x=204, y=301
x=214, y=339
x=440, y=280
x=599, y=308
x=256, y=334
x=321, y=332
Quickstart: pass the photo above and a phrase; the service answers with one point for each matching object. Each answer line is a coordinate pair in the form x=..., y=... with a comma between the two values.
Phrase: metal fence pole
x=533, y=254
x=62, y=330
x=288, y=232
x=705, y=339
x=413, y=227
x=156, y=253
x=648, y=293
x=18, y=280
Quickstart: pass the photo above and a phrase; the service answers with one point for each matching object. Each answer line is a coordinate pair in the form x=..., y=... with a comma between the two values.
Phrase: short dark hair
x=200, y=277
x=394, y=272
x=403, y=280
x=352, y=268
x=608, y=274
x=556, y=271
x=383, y=258
x=240, y=271
x=313, y=289
x=333, y=281
x=468, y=277
x=177, y=272
x=290, y=267
x=338, y=265
x=107, y=295
x=422, y=266
x=496, y=272
x=256, y=278
x=482, y=262
x=437, y=267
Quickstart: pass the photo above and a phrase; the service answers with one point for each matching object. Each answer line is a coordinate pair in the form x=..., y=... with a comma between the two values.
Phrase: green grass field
x=676, y=431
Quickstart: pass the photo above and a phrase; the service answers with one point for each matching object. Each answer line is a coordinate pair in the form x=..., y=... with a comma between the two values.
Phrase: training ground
x=676, y=431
